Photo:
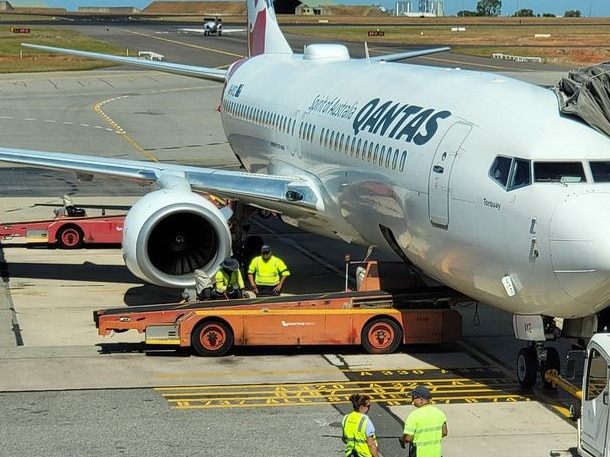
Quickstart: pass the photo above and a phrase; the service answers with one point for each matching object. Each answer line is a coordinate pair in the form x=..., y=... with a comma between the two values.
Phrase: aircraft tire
x=527, y=367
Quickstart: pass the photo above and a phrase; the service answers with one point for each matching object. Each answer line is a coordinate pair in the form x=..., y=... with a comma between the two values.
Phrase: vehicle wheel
x=527, y=367
x=381, y=336
x=212, y=339
x=553, y=362
x=70, y=237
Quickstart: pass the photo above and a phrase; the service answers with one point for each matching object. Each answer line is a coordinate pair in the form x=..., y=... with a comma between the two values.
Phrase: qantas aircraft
x=475, y=179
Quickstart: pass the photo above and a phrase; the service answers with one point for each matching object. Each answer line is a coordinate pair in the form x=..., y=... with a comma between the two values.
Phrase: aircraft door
x=595, y=404
x=440, y=173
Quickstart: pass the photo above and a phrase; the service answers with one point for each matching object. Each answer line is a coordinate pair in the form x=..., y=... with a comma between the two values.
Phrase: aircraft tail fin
x=264, y=34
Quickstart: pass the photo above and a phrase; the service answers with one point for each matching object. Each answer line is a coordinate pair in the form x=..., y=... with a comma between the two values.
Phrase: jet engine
x=169, y=233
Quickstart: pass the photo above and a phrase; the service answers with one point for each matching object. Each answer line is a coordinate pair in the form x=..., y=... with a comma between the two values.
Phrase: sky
x=595, y=8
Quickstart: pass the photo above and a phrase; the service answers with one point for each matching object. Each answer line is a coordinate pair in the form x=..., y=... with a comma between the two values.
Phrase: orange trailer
x=67, y=232
x=380, y=321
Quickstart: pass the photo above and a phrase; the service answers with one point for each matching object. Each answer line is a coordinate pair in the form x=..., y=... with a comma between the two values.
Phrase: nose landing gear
x=536, y=359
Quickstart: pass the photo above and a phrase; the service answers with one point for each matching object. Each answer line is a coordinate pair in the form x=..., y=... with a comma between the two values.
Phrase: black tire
x=527, y=367
x=553, y=362
x=212, y=338
x=70, y=236
x=381, y=336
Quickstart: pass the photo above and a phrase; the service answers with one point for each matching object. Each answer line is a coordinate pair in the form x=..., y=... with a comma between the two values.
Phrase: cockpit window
x=500, y=169
x=563, y=172
x=520, y=174
x=600, y=171
x=511, y=173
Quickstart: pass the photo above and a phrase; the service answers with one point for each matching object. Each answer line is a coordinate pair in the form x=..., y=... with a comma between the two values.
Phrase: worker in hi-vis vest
x=229, y=282
x=267, y=273
x=358, y=430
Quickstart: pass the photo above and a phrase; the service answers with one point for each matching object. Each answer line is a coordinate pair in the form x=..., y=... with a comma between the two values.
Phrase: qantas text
x=396, y=120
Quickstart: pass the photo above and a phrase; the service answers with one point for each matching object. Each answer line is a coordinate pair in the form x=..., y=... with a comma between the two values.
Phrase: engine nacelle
x=169, y=233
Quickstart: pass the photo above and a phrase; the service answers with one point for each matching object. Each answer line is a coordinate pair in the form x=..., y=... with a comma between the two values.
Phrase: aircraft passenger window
x=340, y=148
x=322, y=137
x=313, y=132
x=352, y=147
x=369, y=155
x=600, y=171
x=376, y=153
x=500, y=169
x=563, y=172
x=395, y=159
x=388, y=158
x=357, y=152
x=403, y=159
x=596, y=376
x=521, y=174
x=365, y=146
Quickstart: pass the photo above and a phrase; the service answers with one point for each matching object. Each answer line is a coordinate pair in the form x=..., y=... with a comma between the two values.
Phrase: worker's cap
x=265, y=248
x=420, y=392
x=230, y=264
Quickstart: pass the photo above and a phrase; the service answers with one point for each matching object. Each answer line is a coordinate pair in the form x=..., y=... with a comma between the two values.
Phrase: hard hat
x=229, y=264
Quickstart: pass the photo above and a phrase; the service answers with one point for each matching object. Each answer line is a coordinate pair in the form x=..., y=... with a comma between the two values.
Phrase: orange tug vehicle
x=70, y=229
x=378, y=315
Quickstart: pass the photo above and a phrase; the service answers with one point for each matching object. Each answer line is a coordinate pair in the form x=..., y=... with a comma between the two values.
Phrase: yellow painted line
x=385, y=372
x=432, y=384
x=97, y=108
x=181, y=43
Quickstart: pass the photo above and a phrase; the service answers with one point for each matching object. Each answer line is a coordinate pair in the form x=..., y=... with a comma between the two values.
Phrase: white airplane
x=475, y=179
x=212, y=26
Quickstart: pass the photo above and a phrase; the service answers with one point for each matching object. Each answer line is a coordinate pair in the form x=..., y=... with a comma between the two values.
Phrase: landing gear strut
x=536, y=358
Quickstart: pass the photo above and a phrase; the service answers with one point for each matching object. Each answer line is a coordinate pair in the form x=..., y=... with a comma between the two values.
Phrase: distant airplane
x=213, y=26
x=475, y=179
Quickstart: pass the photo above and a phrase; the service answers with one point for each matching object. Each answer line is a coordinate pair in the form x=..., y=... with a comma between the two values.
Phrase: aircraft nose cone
x=579, y=244
x=580, y=234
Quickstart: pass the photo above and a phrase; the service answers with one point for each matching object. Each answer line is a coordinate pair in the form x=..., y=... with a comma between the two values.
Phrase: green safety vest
x=425, y=424
x=223, y=280
x=354, y=433
x=267, y=273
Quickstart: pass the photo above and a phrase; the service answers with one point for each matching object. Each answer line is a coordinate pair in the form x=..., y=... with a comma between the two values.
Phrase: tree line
x=492, y=8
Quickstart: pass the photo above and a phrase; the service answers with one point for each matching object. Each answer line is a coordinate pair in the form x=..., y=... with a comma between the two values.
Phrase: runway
x=67, y=391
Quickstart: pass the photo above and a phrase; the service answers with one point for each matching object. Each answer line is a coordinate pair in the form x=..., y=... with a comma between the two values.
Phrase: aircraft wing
x=407, y=54
x=296, y=197
x=213, y=74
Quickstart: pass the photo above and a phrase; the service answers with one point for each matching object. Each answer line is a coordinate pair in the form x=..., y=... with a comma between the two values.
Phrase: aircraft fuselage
x=433, y=165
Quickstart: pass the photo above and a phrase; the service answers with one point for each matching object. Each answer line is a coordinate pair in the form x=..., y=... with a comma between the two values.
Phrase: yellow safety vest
x=223, y=280
x=267, y=273
x=354, y=433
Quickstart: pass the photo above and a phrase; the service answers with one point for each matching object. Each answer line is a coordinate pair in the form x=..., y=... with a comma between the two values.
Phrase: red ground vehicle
x=378, y=320
x=70, y=229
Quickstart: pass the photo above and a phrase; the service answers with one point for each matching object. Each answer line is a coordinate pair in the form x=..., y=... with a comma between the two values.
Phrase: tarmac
x=49, y=344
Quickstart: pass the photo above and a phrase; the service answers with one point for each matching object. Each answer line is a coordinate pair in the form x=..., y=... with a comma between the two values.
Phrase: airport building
x=420, y=8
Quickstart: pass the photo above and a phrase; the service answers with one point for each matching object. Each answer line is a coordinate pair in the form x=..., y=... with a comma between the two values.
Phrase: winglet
x=264, y=34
